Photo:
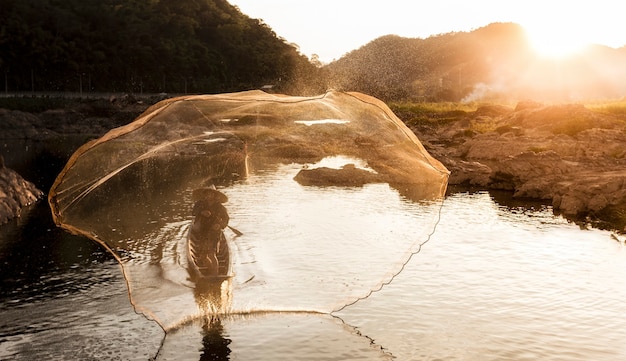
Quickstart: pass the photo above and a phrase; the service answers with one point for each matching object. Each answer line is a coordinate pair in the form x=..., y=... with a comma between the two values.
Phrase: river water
x=477, y=277
x=496, y=280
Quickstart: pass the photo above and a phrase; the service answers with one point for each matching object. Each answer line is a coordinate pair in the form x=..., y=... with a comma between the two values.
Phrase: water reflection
x=215, y=345
x=39, y=261
x=213, y=297
x=503, y=282
x=40, y=161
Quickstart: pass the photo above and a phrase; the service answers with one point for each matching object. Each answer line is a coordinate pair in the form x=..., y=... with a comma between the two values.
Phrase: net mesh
x=301, y=175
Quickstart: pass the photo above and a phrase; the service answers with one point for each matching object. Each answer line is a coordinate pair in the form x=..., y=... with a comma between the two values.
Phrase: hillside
x=143, y=46
x=491, y=63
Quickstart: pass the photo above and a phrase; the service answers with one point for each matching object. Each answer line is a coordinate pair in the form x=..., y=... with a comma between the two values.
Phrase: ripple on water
x=489, y=284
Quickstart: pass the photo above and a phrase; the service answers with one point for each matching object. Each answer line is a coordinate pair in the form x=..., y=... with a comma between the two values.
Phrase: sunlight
x=557, y=40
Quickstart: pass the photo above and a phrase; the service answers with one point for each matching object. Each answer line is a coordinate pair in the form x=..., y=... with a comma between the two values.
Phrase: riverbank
x=40, y=118
x=39, y=134
x=567, y=155
x=15, y=193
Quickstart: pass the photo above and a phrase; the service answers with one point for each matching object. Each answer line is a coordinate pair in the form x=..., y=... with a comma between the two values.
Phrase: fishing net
x=311, y=184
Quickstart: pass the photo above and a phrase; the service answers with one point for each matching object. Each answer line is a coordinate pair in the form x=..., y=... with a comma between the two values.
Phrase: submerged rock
x=15, y=193
x=348, y=176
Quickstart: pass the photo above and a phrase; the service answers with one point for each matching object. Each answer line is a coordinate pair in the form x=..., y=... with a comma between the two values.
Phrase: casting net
x=331, y=194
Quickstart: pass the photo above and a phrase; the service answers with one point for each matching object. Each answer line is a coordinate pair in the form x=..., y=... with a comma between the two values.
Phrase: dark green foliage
x=174, y=46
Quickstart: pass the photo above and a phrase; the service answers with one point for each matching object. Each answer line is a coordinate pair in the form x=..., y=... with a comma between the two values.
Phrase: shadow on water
x=213, y=297
x=502, y=197
x=505, y=199
x=35, y=254
x=37, y=257
x=214, y=345
x=40, y=161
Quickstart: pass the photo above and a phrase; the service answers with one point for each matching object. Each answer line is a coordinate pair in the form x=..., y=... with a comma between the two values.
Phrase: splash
x=306, y=181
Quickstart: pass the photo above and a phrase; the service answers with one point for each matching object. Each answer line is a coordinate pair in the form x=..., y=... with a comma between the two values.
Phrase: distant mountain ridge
x=494, y=62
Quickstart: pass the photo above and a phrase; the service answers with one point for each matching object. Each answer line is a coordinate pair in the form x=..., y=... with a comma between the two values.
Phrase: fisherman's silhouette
x=211, y=300
x=207, y=244
x=215, y=346
x=209, y=260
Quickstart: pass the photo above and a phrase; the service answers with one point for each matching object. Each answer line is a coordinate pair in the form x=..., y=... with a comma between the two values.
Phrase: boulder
x=348, y=176
x=15, y=124
x=15, y=193
x=471, y=173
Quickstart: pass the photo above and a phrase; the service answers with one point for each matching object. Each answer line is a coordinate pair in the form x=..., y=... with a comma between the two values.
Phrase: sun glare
x=556, y=41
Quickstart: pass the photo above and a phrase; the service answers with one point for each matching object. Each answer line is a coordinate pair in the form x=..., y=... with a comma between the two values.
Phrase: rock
x=469, y=173
x=95, y=118
x=346, y=176
x=591, y=193
x=15, y=124
x=15, y=193
x=528, y=104
x=530, y=166
x=564, y=153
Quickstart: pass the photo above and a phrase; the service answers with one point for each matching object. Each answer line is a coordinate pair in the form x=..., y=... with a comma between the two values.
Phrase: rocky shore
x=571, y=156
x=568, y=155
x=88, y=118
x=15, y=193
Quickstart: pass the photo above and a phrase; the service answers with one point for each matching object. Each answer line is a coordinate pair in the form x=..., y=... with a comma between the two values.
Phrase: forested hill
x=209, y=46
x=495, y=62
x=169, y=46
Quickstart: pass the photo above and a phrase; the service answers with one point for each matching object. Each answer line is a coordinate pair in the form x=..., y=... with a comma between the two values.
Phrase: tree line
x=209, y=46
x=173, y=46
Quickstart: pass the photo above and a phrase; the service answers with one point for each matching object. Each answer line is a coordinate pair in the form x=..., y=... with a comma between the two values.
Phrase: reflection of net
x=130, y=190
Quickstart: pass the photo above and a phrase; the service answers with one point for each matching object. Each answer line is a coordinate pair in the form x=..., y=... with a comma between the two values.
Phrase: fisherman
x=211, y=217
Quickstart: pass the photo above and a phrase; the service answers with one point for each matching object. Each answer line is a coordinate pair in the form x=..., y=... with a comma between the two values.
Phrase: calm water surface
x=493, y=282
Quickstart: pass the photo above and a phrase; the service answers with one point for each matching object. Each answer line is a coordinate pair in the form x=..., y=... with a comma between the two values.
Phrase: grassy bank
x=103, y=104
x=442, y=112
x=411, y=113
x=616, y=108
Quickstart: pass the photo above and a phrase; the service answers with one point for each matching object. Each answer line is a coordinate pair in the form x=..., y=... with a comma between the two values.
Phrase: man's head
x=210, y=194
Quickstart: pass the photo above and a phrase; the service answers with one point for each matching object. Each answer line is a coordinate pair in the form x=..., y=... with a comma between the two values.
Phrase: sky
x=331, y=28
